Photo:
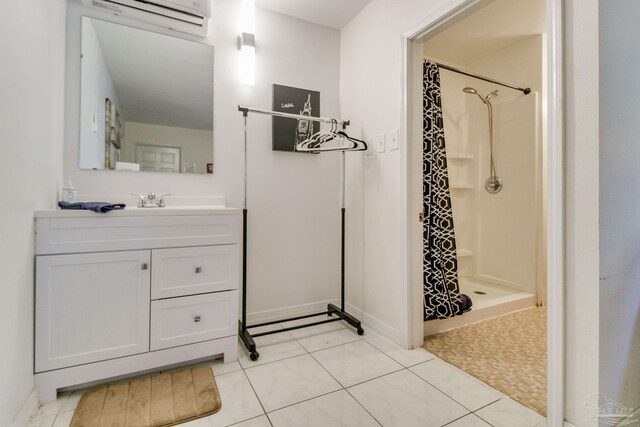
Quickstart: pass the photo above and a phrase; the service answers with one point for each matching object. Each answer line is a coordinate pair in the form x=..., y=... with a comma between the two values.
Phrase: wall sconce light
x=247, y=43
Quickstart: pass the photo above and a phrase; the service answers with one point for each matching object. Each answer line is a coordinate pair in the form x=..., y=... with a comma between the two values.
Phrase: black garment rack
x=339, y=312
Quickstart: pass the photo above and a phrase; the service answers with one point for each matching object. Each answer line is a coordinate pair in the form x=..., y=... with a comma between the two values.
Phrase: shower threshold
x=489, y=301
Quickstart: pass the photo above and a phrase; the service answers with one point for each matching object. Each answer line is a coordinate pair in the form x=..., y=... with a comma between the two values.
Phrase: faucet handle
x=141, y=202
x=151, y=196
x=161, y=201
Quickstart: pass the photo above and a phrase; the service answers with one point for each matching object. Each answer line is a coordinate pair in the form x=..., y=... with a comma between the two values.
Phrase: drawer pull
x=198, y=270
x=144, y=266
x=196, y=319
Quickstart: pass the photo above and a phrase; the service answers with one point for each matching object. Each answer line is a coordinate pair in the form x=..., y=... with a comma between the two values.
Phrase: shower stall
x=495, y=181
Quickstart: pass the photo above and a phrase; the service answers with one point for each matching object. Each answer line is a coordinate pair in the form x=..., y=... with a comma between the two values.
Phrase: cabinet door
x=91, y=307
x=190, y=271
x=186, y=320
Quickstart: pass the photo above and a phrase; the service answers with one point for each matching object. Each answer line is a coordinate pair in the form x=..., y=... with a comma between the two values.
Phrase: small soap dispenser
x=69, y=191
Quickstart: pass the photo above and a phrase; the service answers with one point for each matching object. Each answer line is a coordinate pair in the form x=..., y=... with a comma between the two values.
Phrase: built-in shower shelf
x=460, y=156
x=464, y=253
x=461, y=186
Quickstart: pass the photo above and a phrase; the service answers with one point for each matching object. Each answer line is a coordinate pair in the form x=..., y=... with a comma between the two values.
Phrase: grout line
x=370, y=379
x=485, y=406
x=332, y=346
x=248, y=419
x=264, y=412
x=305, y=400
x=451, y=397
x=457, y=419
x=273, y=361
x=362, y=406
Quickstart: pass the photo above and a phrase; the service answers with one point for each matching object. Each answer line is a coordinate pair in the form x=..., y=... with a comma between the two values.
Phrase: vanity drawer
x=189, y=271
x=123, y=233
x=187, y=320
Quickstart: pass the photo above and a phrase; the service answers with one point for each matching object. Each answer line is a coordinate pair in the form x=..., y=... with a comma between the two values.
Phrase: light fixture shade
x=246, y=72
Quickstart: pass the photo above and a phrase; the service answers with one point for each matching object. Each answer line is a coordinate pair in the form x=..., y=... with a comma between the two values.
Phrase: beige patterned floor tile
x=507, y=352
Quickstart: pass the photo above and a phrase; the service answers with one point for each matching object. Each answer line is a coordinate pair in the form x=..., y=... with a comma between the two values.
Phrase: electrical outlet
x=394, y=139
x=380, y=143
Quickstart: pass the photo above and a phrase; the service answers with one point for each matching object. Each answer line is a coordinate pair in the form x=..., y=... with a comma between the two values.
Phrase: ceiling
x=488, y=30
x=158, y=79
x=330, y=13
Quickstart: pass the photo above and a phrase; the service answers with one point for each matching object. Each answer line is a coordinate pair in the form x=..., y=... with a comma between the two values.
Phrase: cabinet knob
x=196, y=319
x=144, y=266
x=198, y=270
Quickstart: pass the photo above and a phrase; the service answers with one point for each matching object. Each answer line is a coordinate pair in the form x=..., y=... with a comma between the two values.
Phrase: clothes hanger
x=314, y=140
x=360, y=145
x=318, y=142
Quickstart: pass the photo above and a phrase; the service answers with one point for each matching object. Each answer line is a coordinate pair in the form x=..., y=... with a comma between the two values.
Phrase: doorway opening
x=499, y=71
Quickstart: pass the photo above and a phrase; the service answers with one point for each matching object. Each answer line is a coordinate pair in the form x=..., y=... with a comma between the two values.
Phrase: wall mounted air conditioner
x=187, y=16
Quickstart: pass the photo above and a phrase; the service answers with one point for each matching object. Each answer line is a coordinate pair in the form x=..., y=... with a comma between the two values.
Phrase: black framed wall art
x=289, y=132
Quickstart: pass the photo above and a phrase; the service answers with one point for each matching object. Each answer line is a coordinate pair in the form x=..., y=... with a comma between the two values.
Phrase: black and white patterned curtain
x=440, y=277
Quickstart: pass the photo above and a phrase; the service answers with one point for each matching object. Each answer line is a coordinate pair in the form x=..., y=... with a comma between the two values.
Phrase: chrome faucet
x=141, y=202
x=151, y=201
x=161, y=201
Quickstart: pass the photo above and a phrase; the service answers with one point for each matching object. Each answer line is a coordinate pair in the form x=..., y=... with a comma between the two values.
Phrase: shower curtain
x=440, y=275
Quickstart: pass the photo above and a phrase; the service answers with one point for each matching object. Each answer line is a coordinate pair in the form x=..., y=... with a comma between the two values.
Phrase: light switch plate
x=394, y=139
x=379, y=143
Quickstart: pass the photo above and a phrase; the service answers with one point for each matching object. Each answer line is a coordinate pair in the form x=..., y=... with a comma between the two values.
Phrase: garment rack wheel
x=254, y=356
x=360, y=331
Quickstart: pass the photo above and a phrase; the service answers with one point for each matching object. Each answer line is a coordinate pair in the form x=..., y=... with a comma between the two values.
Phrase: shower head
x=484, y=99
x=473, y=91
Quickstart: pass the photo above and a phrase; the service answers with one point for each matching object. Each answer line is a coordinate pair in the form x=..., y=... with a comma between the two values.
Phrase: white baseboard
x=376, y=324
x=28, y=410
x=283, y=313
x=300, y=310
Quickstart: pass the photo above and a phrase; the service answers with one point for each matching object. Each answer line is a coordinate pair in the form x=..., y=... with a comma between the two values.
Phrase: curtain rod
x=526, y=91
x=247, y=110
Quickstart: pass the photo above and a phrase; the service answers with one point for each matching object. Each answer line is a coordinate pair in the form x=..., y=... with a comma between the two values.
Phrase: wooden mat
x=164, y=399
x=508, y=352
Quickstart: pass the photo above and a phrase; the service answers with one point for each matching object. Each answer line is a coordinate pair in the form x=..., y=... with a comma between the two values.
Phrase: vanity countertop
x=135, y=211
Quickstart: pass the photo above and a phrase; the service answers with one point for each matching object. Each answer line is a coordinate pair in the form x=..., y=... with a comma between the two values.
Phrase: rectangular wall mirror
x=146, y=101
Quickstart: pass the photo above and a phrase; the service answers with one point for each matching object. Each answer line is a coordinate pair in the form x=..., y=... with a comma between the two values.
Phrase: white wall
x=293, y=199
x=619, y=204
x=370, y=96
x=97, y=85
x=196, y=144
x=516, y=210
x=486, y=223
x=581, y=207
x=31, y=113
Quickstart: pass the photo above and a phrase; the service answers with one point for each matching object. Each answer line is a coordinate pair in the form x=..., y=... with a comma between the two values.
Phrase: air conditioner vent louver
x=180, y=15
x=101, y=5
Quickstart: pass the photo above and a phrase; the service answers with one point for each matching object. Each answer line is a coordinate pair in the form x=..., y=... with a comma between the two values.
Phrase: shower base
x=488, y=301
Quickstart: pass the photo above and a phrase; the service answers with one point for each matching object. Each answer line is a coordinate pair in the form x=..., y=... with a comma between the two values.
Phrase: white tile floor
x=329, y=376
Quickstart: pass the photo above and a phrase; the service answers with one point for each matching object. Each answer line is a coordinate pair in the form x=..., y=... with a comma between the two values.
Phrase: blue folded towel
x=100, y=207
